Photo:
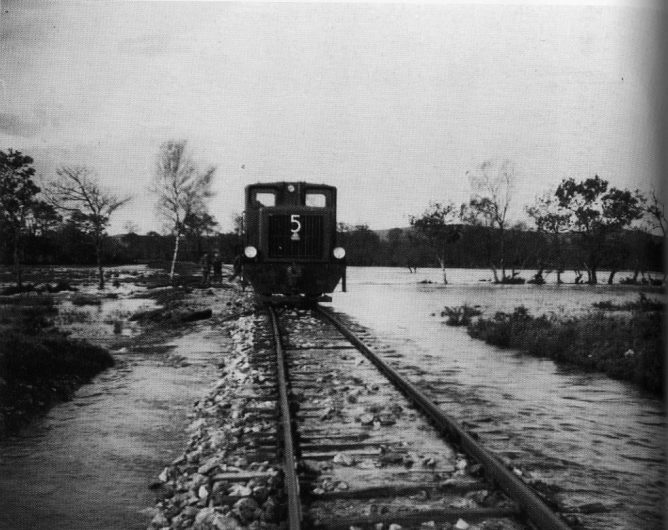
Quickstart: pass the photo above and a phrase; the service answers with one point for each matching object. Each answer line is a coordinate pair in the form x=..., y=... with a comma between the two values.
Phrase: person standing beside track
x=217, y=264
x=205, y=264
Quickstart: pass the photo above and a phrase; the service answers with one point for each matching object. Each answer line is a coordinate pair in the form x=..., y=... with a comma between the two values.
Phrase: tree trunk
x=611, y=277
x=445, y=277
x=98, y=257
x=17, y=261
x=496, y=275
x=592, y=279
x=503, y=252
x=176, y=251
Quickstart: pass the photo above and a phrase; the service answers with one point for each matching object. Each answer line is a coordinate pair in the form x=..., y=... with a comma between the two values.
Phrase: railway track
x=361, y=453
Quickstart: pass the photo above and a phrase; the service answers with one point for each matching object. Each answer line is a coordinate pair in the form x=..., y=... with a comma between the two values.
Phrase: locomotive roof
x=282, y=184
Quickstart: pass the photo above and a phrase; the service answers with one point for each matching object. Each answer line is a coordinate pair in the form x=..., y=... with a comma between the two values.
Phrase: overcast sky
x=391, y=103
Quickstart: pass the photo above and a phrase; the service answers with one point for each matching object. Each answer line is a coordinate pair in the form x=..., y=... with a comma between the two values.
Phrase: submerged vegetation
x=627, y=347
x=38, y=364
x=461, y=315
x=642, y=304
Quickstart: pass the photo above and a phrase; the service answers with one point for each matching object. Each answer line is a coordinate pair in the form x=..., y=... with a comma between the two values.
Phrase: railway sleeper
x=413, y=519
x=430, y=489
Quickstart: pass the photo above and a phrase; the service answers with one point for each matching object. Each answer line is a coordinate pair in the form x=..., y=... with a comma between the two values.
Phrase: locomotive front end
x=290, y=240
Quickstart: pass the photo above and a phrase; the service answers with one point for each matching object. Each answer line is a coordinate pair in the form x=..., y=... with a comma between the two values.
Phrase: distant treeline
x=629, y=250
x=524, y=249
x=583, y=225
x=67, y=245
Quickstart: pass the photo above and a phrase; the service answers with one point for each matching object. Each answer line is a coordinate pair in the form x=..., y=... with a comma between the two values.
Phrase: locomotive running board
x=291, y=300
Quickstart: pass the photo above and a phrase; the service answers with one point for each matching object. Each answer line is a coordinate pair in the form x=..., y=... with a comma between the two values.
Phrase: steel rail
x=289, y=460
x=530, y=504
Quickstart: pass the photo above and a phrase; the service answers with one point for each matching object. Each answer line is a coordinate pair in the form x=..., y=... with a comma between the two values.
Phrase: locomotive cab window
x=315, y=199
x=265, y=198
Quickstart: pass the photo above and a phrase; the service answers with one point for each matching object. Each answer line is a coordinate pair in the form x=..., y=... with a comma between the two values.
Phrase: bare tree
x=76, y=191
x=655, y=210
x=182, y=190
x=492, y=186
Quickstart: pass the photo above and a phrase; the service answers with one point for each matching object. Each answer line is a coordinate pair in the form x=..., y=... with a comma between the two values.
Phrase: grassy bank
x=38, y=365
x=628, y=347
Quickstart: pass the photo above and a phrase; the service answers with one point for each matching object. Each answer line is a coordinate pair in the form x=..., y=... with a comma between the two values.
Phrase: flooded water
x=89, y=462
x=588, y=437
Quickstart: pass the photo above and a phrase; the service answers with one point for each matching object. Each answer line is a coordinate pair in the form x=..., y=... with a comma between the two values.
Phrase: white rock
x=343, y=459
x=240, y=490
x=159, y=520
x=366, y=419
x=462, y=525
x=196, y=425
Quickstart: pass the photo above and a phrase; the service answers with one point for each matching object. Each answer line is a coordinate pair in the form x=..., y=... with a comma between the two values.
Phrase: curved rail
x=290, y=463
x=533, y=507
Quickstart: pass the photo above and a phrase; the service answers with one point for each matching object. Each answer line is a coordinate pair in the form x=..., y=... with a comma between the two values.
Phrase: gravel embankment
x=218, y=482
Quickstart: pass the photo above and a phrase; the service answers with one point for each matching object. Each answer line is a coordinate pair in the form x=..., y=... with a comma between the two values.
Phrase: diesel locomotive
x=289, y=241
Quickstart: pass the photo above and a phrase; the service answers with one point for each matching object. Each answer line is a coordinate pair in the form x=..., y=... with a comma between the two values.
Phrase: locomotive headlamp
x=339, y=252
x=291, y=188
x=250, y=252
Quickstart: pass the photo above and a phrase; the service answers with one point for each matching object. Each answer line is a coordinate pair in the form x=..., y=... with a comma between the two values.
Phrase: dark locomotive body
x=289, y=236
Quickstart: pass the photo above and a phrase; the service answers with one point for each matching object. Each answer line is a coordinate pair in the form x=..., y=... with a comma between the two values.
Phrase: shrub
x=629, y=348
x=460, y=316
x=36, y=358
x=642, y=304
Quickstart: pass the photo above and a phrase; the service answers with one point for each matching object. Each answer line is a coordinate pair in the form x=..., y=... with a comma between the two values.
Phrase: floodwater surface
x=88, y=463
x=592, y=440
x=599, y=444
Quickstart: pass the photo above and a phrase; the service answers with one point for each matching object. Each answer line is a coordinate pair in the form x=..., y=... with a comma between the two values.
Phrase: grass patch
x=39, y=365
x=629, y=348
x=73, y=316
x=642, y=304
x=28, y=315
x=32, y=359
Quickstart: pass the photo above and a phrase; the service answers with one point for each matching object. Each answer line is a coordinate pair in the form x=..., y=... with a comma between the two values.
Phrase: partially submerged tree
x=435, y=228
x=77, y=192
x=492, y=186
x=597, y=212
x=553, y=221
x=17, y=199
x=182, y=190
